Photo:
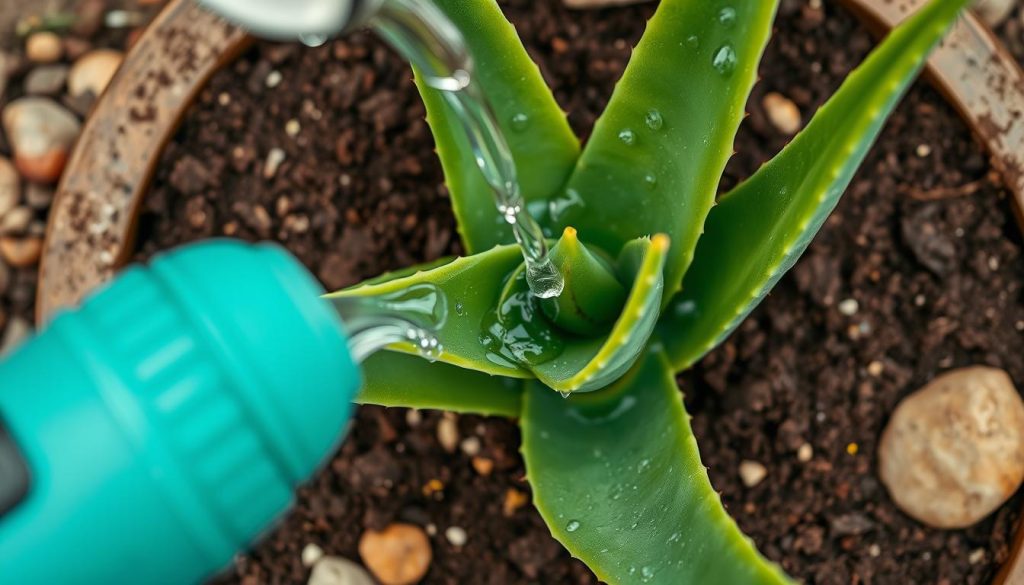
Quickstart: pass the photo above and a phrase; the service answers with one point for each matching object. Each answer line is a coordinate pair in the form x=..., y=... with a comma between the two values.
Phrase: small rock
x=75, y=47
x=10, y=185
x=752, y=473
x=805, y=453
x=849, y=307
x=782, y=112
x=954, y=450
x=16, y=221
x=483, y=465
x=18, y=329
x=46, y=80
x=338, y=571
x=311, y=553
x=21, y=252
x=448, y=433
x=41, y=134
x=470, y=446
x=456, y=535
x=977, y=556
x=43, y=47
x=275, y=157
x=583, y=4
x=514, y=500
x=993, y=12
x=852, y=524
x=398, y=555
x=93, y=71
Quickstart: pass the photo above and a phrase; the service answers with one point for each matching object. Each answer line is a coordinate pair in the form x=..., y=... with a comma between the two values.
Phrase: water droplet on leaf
x=572, y=526
x=654, y=120
x=520, y=122
x=627, y=136
x=727, y=16
x=724, y=60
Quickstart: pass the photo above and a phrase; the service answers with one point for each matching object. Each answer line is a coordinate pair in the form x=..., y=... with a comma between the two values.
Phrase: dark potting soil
x=924, y=242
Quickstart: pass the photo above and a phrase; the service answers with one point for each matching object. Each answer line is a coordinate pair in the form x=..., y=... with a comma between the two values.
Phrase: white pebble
x=470, y=446
x=273, y=79
x=275, y=157
x=954, y=450
x=93, y=72
x=849, y=307
x=311, y=553
x=782, y=112
x=448, y=433
x=805, y=453
x=456, y=535
x=752, y=473
x=338, y=571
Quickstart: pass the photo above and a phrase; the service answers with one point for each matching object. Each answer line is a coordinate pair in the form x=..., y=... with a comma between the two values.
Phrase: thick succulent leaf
x=658, y=152
x=471, y=288
x=543, y=146
x=759, y=230
x=617, y=477
x=395, y=379
x=588, y=365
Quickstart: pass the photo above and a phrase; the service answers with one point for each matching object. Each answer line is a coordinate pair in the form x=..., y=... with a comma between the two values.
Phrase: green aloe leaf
x=618, y=479
x=658, y=152
x=395, y=379
x=543, y=146
x=759, y=230
x=472, y=287
x=586, y=365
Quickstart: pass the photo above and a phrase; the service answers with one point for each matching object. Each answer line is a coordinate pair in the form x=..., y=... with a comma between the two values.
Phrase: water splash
x=425, y=36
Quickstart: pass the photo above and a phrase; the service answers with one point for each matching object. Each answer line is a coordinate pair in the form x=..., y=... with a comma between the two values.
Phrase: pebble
x=46, y=80
x=456, y=535
x=752, y=473
x=338, y=571
x=5, y=280
x=89, y=17
x=21, y=252
x=18, y=329
x=10, y=185
x=311, y=553
x=398, y=555
x=483, y=465
x=849, y=307
x=43, y=47
x=782, y=113
x=92, y=72
x=273, y=79
x=805, y=453
x=953, y=451
x=470, y=446
x=448, y=433
x=16, y=221
x=275, y=157
x=41, y=133
x=993, y=12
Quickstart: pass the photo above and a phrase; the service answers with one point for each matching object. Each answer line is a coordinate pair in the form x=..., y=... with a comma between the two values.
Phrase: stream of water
x=427, y=39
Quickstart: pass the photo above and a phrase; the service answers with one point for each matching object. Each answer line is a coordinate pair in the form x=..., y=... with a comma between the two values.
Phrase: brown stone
x=398, y=555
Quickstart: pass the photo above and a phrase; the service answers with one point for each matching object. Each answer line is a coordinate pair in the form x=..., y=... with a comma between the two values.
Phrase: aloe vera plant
x=657, y=272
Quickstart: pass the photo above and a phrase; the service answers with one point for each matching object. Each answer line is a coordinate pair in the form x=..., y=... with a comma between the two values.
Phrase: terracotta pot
x=95, y=211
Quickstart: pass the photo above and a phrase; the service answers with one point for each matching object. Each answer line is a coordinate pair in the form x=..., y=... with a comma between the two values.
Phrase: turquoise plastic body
x=167, y=422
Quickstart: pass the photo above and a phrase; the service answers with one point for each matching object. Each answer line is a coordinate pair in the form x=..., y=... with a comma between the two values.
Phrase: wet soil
x=924, y=242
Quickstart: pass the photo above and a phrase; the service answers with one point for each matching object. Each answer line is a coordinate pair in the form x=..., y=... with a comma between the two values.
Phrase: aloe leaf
x=617, y=477
x=658, y=152
x=395, y=379
x=587, y=365
x=471, y=288
x=543, y=146
x=593, y=296
x=759, y=230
